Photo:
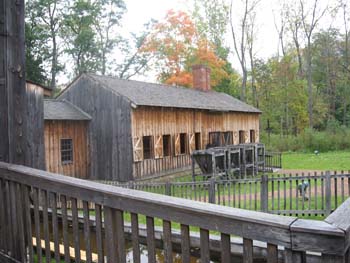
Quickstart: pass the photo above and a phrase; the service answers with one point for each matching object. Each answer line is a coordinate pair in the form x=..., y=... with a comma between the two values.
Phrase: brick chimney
x=201, y=77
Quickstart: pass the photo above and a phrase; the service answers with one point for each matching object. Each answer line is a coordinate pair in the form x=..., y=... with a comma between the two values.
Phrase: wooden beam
x=12, y=82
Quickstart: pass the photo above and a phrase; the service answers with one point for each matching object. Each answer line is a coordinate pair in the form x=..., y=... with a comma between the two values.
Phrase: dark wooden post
x=328, y=192
x=264, y=192
x=12, y=82
x=212, y=185
x=168, y=188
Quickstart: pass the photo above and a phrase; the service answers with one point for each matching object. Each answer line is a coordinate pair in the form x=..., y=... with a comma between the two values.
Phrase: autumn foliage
x=177, y=46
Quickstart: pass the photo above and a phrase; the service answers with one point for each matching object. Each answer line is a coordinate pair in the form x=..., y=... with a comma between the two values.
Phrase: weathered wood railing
x=278, y=194
x=24, y=190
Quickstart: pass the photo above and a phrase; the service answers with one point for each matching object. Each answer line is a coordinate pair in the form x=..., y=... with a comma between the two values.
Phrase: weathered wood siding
x=75, y=130
x=35, y=156
x=13, y=105
x=109, y=130
x=153, y=121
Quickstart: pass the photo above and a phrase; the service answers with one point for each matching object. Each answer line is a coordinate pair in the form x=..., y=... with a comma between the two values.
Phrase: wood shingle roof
x=150, y=94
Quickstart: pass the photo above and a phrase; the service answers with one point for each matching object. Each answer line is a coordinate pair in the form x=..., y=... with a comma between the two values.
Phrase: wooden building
x=66, y=139
x=140, y=129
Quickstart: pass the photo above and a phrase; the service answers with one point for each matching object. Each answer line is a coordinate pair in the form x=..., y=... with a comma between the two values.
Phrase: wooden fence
x=277, y=194
x=285, y=239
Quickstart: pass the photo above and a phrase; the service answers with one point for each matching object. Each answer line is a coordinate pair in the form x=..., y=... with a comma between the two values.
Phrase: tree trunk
x=54, y=61
x=244, y=85
x=309, y=84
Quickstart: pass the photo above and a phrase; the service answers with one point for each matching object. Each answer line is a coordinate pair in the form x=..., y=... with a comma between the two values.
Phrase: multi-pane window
x=66, y=151
x=147, y=147
x=166, y=145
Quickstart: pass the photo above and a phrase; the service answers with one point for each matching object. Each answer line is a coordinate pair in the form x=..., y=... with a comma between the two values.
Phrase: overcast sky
x=140, y=12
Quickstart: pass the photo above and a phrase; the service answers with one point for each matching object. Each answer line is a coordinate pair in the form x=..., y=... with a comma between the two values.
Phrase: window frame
x=183, y=136
x=151, y=147
x=169, y=145
x=69, y=151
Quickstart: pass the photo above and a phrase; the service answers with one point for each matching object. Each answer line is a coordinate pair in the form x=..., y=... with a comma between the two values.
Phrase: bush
x=310, y=141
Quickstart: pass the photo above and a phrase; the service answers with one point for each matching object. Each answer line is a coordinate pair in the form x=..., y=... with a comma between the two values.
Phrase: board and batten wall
x=75, y=130
x=156, y=121
x=109, y=130
x=35, y=156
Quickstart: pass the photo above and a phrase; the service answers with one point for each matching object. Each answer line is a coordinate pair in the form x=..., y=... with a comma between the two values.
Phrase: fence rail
x=304, y=194
x=24, y=190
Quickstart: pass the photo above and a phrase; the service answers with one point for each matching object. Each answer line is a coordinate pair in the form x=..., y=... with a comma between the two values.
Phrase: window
x=147, y=147
x=252, y=136
x=166, y=145
x=226, y=138
x=183, y=143
x=214, y=139
x=241, y=137
x=66, y=151
x=198, y=143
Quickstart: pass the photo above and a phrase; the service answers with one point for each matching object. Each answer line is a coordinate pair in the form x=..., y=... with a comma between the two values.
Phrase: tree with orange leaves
x=177, y=46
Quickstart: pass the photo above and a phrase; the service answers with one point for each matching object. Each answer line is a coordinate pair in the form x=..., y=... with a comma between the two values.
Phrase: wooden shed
x=140, y=129
x=66, y=139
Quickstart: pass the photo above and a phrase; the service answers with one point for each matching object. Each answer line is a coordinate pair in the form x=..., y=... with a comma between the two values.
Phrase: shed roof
x=150, y=94
x=63, y=110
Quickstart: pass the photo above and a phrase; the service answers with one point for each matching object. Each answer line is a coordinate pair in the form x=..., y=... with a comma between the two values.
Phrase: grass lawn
x=337, y=160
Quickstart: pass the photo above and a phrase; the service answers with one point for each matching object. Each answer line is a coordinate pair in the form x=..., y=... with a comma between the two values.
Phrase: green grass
x=337, y=160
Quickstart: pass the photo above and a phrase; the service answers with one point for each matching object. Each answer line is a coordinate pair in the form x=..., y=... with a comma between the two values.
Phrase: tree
x=177, y=46
x=310, y=19
x=135, y=61
x=35, y=49
x=80, y=36
x=47, y=18
x=239, y=34
x=109, y=14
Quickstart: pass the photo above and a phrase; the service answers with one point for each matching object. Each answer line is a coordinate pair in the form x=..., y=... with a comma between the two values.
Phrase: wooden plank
x=43, y=200
x=204, y=246
x=2, y=217
x=150, y=239
x=135, y=238
x=87, y=236
x=168, y=251
x=14, y=216
x=20, y=221
x=37, y=223
x=110, y=232
x=272, y=253
x=185, y=243
x=225, y=248
x=76, y=236
x=247, y=250
x=28, y=221
x=55, y=230
x=99, y=238
x=63, y=200
x=120, y=236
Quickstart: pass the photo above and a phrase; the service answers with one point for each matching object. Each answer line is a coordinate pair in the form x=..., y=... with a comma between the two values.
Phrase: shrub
x=310, y=141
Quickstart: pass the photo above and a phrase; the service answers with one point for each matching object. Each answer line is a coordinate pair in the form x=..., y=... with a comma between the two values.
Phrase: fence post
x=264, y=193
x=168, y=188
x=328, y=193
x=212, y=191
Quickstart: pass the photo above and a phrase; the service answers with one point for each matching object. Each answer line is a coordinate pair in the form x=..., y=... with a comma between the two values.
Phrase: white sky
x=140, y=12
